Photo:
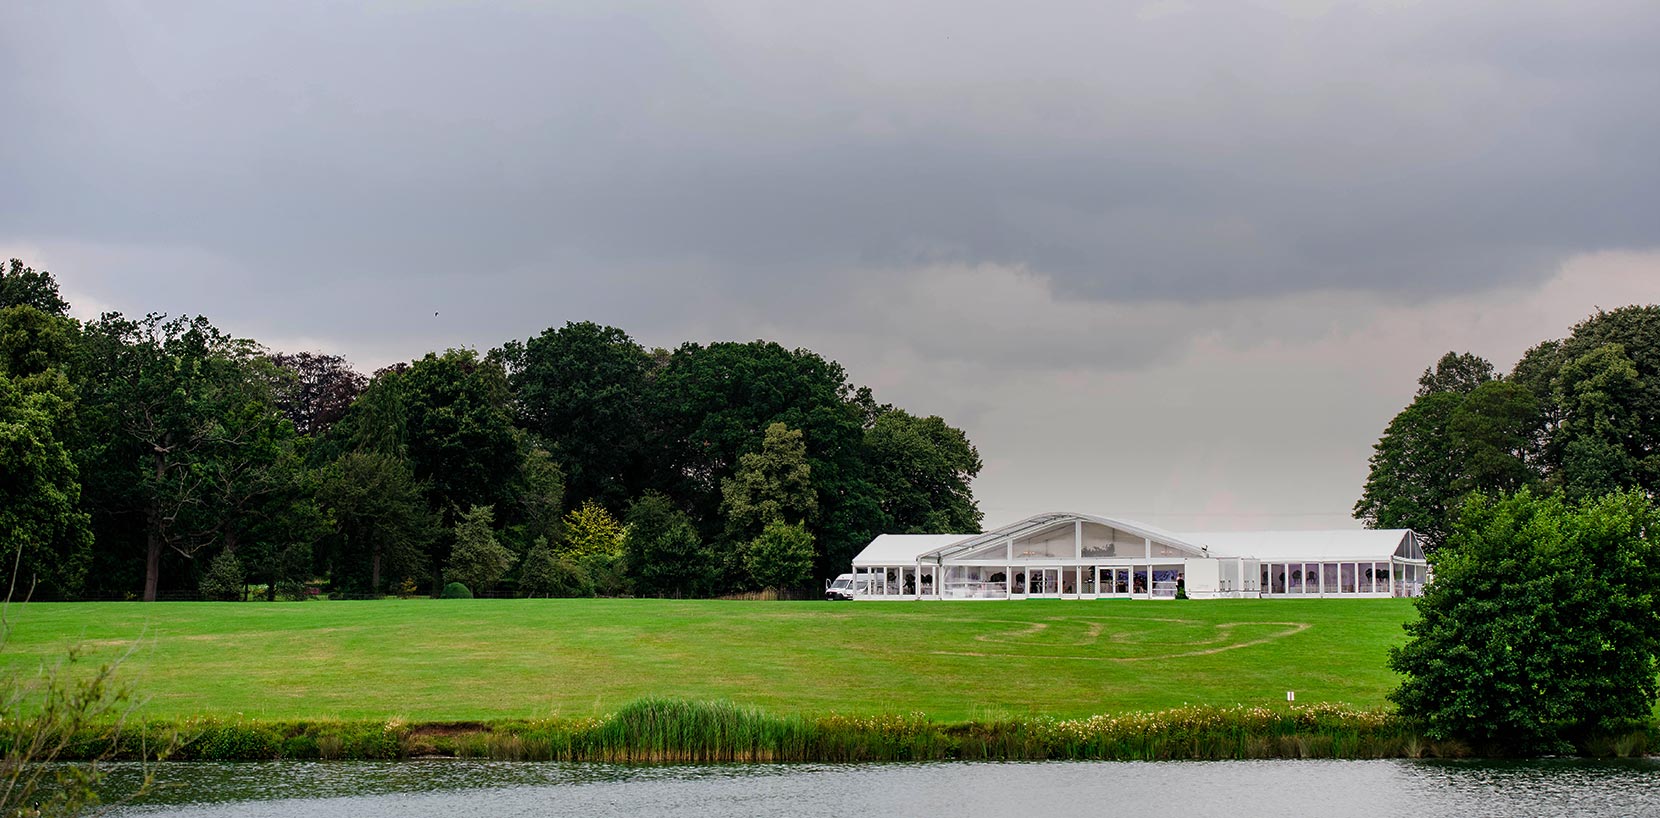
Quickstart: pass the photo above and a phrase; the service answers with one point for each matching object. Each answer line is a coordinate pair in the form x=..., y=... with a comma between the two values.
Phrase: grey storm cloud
x=1171, y=151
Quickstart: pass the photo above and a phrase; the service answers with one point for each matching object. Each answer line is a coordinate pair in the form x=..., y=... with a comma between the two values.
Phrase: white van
x=842, y=587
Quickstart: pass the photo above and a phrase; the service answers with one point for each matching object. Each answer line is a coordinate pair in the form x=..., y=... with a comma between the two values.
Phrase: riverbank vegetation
x=651, y=731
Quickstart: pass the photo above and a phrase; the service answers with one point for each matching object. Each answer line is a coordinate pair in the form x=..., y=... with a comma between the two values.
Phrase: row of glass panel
x=1340, y=578
x=974, y=581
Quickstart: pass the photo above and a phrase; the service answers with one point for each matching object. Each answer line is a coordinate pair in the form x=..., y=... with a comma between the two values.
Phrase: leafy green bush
x=223, y=580
x=782, y=557
x=456, y=590
x=478, y=560
x=1540, y=631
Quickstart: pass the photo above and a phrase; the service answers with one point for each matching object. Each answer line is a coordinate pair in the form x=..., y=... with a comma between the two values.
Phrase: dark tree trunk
x=152, y=562
x=153, y=540
x=152, y=556
x=374, y=569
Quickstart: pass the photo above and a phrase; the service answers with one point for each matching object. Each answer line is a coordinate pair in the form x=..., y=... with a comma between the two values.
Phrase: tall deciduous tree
x=449, y=415
x=316, y=389
x=1601, y=414
x=382, y=524
x=713, y=403
x=1415, y=478
x=179, y=416
x=666, y=557
x=583, y=389
x=43, y=531
x=460, y=430
x=921, y=469
x=773, y=485
x=1495, y=433
x=1541, y=624
x=1600, y=444
x=1465, y=431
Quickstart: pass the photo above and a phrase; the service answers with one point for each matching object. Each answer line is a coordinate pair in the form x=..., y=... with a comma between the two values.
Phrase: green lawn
x=427, y=660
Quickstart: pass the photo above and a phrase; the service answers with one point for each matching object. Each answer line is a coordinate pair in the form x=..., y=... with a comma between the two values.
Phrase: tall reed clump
x=658, y=730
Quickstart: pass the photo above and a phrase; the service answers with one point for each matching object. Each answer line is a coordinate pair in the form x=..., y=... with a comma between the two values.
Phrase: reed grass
x=668, y=730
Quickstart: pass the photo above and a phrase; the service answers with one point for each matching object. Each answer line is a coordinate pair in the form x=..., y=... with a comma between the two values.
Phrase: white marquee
x=1085, y=556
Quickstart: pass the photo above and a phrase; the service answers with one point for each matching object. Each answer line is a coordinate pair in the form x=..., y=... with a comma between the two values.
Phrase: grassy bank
x=678, y=731
x=534, y=660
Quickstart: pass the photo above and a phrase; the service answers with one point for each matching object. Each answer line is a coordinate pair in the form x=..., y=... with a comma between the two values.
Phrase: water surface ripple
x=1368, y=789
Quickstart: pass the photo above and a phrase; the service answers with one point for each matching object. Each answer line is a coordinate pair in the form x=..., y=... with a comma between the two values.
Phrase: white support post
x=1147, y=545
x=1078, y=539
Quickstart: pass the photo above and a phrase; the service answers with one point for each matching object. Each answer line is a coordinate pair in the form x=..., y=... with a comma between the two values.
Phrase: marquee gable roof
x=1364, y=544
x=890, y=549
x=898, y=549
x=1291, y=546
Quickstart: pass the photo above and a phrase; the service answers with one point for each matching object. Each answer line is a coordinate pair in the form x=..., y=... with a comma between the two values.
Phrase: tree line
x=160, y=456
x=1579, y=415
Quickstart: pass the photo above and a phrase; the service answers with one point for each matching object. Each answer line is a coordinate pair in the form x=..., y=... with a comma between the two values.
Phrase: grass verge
x=503, y=659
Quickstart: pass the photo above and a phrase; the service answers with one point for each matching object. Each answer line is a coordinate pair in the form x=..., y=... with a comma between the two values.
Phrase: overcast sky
x=1177, y=261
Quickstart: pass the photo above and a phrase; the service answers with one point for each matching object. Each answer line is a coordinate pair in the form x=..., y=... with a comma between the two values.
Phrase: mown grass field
x=429, y=660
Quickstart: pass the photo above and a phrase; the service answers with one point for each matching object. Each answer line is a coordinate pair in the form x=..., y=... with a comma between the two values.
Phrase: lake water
x=1373, y=789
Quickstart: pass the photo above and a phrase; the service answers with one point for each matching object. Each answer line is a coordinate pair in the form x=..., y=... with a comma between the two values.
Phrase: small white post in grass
x=1290, y=695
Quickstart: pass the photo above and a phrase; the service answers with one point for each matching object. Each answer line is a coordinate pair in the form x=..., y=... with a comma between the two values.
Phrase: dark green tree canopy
x=666, y=555
x=1600, y=389
x=42, y=527
x=1458, y=372
x=582, y=389
x=382, y=526
x=34, y=342
x=1581, y=415
x=22, y=286
x=457, y=414
x=1415, y=474
x=140, y=448
x=713, y=403
x=181, y=434
x=1495, y=433
x=921, y=469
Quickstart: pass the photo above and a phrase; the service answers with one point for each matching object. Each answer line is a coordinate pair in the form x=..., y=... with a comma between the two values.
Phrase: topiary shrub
x=456, y=590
